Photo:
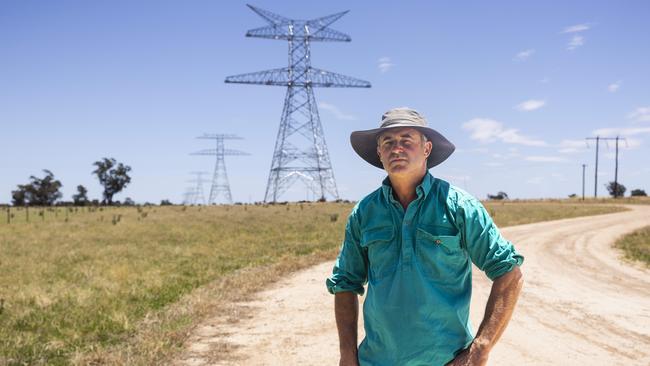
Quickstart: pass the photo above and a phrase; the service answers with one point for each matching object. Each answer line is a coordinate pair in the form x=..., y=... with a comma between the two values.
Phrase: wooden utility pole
x=583, y=181
x=598, y=138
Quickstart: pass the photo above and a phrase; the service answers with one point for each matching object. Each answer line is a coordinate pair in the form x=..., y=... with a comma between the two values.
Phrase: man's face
x=403, y=151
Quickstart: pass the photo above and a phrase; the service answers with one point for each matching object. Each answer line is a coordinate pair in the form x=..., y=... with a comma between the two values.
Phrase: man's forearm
x=498, y=311
x=346, y=309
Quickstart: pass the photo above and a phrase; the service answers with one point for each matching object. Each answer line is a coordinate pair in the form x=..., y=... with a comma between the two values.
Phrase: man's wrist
x=481, y=345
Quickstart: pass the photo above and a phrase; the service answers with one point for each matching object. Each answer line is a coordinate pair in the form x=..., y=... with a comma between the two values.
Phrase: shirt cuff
x=343, y=286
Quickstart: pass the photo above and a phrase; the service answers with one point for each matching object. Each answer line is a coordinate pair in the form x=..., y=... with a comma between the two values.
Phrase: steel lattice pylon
x=300, y=149
x=220, y=184
x=195, y=195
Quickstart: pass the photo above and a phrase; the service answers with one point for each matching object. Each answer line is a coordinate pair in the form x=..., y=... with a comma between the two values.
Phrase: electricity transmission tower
x=220, y=183
x=300, y=150
x=197, y=193
x=188, y=196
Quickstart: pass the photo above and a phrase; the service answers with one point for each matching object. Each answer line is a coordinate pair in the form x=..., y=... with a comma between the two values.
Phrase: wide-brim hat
x=364, y=143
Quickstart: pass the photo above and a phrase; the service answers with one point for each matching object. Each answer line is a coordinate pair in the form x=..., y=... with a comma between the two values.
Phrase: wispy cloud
x=524, y=55
x=336, y=111
x=384, y=64
x=609, y=132
x=575, y=42
x=488, y=130
x=545, y=80
x=576, y=28
x=530, y=105
x=641, y=114
x=545, y=159
x=613, y=87
x=572, y=146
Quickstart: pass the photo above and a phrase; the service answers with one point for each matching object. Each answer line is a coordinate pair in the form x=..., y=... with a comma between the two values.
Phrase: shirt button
x=438, y=241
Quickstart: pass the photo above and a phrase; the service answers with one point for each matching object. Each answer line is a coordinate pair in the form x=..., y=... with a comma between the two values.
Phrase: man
x=413, y=241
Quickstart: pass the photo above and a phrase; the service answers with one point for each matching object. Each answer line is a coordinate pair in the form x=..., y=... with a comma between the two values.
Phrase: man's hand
x=472, y=356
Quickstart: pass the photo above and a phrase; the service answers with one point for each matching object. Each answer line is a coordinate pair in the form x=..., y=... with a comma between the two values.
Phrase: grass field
x=636, y=245
x=124, y=285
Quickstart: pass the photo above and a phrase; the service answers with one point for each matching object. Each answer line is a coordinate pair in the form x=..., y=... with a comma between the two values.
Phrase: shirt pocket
x=439, y=253
x=383, y=253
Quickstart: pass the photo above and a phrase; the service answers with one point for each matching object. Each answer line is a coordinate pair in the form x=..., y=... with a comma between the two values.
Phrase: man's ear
x=427, y=148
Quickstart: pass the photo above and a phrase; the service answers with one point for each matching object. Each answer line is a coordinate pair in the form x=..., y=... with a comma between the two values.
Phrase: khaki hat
x=364, y=143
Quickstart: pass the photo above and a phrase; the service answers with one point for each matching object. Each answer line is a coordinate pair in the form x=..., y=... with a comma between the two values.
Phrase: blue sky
x=516, y=86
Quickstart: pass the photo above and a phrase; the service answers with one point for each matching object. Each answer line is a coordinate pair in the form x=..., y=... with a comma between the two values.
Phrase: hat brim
x=364, y=144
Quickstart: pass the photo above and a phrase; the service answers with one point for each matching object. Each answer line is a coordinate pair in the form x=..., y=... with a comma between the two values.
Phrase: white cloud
x=632, y=143
x=545, y=159
x=336, y=111
x=572, y=146
x=530, y=105
x=524, y=55
x=575, y=42
x=576, y=28
x=384, y=64
x=613, y=87
x=544, y=80
x=641, y=114
x=609, y=132
x=488, y=130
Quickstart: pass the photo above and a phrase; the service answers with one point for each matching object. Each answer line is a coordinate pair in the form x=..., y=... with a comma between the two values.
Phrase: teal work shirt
x=417, y=264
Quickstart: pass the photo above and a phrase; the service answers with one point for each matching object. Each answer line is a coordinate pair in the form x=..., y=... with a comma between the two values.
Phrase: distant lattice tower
x=220, y=184
x=197, y=194
x=300, y=149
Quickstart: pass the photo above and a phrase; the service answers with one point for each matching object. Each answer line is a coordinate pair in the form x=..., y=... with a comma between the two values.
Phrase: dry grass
x=636, y=246
x=126, y=285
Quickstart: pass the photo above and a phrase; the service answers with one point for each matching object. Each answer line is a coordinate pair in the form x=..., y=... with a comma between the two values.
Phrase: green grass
x=636, y=245
x=124, y=285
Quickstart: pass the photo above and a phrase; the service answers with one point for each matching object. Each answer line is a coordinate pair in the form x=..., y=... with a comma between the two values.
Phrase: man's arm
x=500, y=306
x=346, y=309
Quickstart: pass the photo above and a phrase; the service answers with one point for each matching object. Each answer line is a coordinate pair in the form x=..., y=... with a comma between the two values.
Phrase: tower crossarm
x=272, y=18
x=216, y=136
x=328, y=79
x=313, y=77
x=320, y=24
x=293, y=29
x=205, y=152
x=330, y=35
x=277, y=77
x=229, y=152
x=285, y=33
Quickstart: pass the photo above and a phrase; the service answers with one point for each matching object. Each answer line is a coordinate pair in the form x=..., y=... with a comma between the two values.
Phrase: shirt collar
x=422, y=189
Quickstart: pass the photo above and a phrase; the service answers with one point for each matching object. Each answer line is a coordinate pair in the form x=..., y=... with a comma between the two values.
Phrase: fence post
x=8, y=214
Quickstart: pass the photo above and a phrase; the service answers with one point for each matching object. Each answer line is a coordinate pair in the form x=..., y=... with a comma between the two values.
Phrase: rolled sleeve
x=350, y=271
x=487, y=248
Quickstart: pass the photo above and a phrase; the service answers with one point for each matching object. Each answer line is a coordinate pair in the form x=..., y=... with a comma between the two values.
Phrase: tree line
x=113, y=176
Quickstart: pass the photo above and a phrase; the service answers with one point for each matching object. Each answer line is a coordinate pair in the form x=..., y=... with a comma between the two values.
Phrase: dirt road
x=581, y=305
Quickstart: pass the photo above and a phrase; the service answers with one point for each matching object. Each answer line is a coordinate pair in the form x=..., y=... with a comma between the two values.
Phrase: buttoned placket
x=406, y=221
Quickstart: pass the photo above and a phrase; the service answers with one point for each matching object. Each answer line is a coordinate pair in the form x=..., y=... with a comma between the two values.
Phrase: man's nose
x=397, y=147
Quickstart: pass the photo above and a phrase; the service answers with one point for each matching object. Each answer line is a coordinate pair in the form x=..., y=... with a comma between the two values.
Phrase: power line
x=300, y=152
x=598, y=139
